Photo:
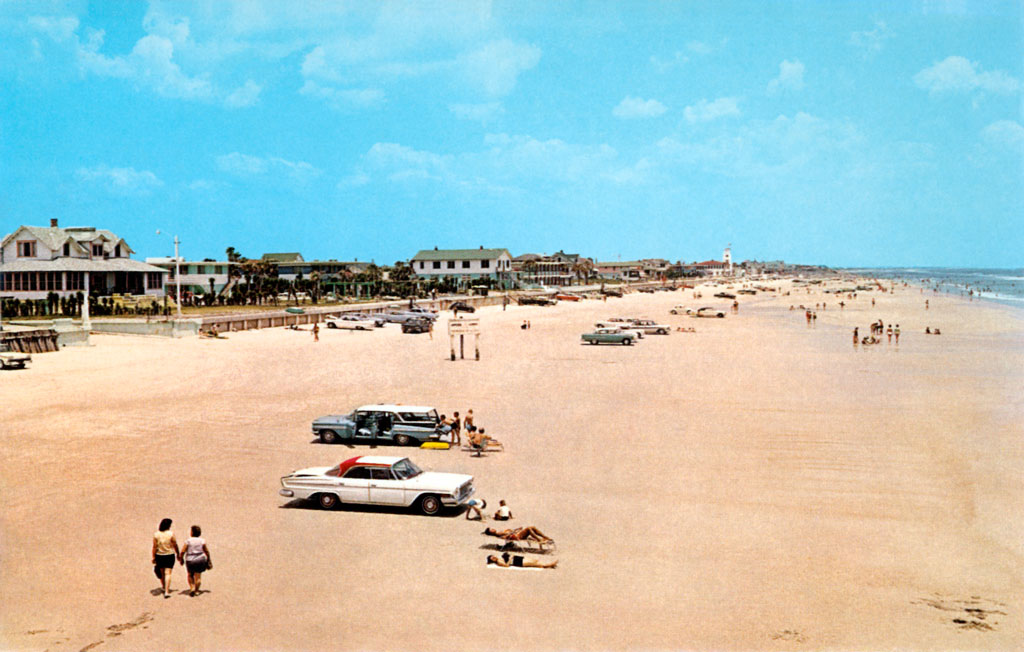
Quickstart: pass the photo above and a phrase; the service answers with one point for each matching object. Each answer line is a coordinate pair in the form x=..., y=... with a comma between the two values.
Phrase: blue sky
x=841, y=133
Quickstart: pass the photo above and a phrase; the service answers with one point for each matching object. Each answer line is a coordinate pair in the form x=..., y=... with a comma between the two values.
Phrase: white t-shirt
x=503, y=512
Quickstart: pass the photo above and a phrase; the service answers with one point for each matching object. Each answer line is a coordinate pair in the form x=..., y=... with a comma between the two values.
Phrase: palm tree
x=530, y=267
x=582, y=268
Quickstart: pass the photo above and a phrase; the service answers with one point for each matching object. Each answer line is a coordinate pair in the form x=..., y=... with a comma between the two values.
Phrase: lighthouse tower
x=727, y=257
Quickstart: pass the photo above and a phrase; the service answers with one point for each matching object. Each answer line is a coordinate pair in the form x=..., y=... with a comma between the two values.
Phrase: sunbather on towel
x=528, y=533
x=518, y=561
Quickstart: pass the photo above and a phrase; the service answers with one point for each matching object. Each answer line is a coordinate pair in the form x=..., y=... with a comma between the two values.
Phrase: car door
x=354, y=487
x=384, y=488
x=366, y=426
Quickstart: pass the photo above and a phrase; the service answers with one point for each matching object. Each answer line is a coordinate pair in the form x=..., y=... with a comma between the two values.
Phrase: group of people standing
x=194, y=555
x=878, y=329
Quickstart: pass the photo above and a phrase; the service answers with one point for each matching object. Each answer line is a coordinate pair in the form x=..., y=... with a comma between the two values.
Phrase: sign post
x=462, y=327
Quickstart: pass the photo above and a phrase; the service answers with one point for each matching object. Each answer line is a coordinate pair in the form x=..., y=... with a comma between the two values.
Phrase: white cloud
x=1005, y=134
x=698, y=47
x=803, y=142
x=677, y=60
x=60, y=29
x=244, y=165
x=504, y=165
x=344, y=98
x=354, y=180
x=871, y=41
x=955, y=73
x=483, y=113
x=704, y=111
x=791, y=77
x=244, y=96
x=635, y=107
x=495, y=67
x=120, y=180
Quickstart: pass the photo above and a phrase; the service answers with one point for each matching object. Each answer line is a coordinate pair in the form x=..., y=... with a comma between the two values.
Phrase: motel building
x=196, y=275
x=464, y=265
x=37, y=260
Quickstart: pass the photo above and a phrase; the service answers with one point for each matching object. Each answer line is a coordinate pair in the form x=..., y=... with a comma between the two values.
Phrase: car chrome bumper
x=287, y=493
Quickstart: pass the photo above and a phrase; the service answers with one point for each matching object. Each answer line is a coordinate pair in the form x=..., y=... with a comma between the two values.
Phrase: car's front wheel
x=403, y=439
x=662, y=331
x=328, y=436
x=327, y=501
x=331, y=324
x=430, y=504
x=627, y=342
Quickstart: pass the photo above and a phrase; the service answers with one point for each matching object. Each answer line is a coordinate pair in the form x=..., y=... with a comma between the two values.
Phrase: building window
x=154, y=280
x=117, y=251
x=67, y=248
x=26, y=249
x=422, y=264
x=485, y=264
x=451, y=264
x=437, y=264
x=76, y=280
x=97, y=250
x=465, y=264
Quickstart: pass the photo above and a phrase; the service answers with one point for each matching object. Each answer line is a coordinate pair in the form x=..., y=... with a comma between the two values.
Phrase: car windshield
x=405, y=469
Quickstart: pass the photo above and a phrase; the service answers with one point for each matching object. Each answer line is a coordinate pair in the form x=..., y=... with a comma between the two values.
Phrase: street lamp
x=177, y=272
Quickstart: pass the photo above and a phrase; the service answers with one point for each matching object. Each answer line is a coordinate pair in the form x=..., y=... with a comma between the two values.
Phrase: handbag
x=209, y=564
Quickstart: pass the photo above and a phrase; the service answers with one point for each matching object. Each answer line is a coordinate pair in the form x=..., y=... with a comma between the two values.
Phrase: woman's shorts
x=197, y=566
x=165, y=561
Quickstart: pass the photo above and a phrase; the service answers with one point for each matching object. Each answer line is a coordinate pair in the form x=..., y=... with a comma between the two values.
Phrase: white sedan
x=623, y=326
x=350, y=322
x=650, y=326
x=379, y=480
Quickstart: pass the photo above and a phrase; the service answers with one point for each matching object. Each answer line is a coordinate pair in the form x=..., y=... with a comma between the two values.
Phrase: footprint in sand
x=789, y=635
x=973, y=613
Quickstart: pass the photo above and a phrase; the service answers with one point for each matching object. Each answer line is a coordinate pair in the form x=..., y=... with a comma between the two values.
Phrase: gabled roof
x=54, y=237
x=460, y=254
x=291, y=257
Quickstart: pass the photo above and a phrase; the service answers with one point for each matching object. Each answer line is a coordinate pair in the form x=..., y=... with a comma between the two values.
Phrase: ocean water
x=1002, y=285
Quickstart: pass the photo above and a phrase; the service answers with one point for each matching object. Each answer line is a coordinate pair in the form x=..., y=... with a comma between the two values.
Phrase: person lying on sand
x=518, y=561
x=527, y=533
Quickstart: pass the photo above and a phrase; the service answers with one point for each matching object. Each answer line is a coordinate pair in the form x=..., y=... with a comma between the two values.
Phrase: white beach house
x=464, y=265
x=38, y=260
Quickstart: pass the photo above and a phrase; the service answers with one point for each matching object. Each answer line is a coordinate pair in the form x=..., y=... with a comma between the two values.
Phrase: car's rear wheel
x=403, y=439
x=327, y=501
x=627, y=342
x=430, y=504
x=331, y=324
x=662, y=331
x=328, y=436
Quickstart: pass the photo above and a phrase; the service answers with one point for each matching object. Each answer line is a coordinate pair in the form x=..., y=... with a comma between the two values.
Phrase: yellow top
x=163, y=542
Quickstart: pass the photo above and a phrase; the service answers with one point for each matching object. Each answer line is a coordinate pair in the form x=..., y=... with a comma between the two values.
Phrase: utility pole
x=177, y=273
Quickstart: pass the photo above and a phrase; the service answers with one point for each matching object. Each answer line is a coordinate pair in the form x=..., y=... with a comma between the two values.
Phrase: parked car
x=647, y=290
x=380, y=423
x=679, y=309
x=612, y=293
x=650, y=326
x=622, y=325
x=746, y=291
x=421, y=325
x=400, y=316
x=609, y=336
x=536, y=301
x=462, y=306
x=379, y=480
x=708, y=312
x=12, y=359
x=423, y=312
x=351, y=322
x=725, y=295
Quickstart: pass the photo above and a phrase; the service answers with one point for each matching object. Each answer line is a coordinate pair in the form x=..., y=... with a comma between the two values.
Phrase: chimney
x=481, y=247
x=53, y=222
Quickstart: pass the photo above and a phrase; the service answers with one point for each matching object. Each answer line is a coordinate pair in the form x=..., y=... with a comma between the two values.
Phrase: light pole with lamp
x=177, y=272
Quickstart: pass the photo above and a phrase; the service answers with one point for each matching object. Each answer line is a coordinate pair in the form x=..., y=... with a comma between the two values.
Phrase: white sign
x=464, y=326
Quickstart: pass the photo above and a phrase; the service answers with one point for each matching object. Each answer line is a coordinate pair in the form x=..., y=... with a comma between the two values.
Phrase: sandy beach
x=760, y=484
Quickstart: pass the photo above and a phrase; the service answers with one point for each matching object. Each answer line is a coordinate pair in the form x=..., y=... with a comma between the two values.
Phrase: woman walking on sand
x=165, y=550
x=196, y=557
